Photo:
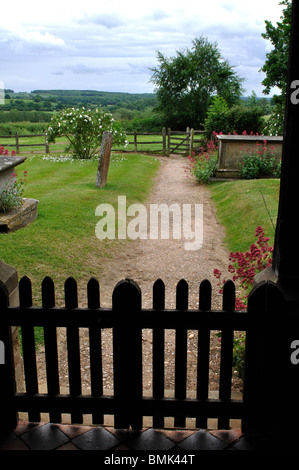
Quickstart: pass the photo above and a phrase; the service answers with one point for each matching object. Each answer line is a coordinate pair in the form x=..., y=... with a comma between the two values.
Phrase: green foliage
x=11, y=195
x=216, y=115
x=186, y=83
x=84, y=129
x=237, y=119
x=275, y=123
x=145, y=122
x=23, y=128
x=240, y=119
x=15, y=115
x=259, y=163
x=204, y=165
x=276, y=64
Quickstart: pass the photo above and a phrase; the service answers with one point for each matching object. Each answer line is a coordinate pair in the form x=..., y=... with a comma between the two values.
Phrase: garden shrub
x=259, y=163
x=220, y=118
x=275, y=123
x=243, y=267
x=216, y=116
x=84, y=130
x=204, y=165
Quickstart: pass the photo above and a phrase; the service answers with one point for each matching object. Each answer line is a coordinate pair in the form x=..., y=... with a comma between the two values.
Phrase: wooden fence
x=126, y=402
x=170, y=142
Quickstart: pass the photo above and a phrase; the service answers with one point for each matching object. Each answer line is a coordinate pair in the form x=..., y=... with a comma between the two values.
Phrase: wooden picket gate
x=126, y=318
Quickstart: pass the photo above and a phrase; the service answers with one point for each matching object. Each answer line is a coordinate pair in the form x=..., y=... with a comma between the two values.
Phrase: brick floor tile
x=202, y=440
x=177, y=436
x=25, y=426
x=124, y=435
x=12, y=442
x=72, y=431
x=68, y=446
x=46, y=437
x=228, y=436
x=96, y=439
x=151, y=440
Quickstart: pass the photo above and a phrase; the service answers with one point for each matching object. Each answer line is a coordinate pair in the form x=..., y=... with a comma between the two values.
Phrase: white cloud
x=111, y=44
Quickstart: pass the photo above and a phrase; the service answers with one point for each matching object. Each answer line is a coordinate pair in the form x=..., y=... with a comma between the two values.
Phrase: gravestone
x=104, y=160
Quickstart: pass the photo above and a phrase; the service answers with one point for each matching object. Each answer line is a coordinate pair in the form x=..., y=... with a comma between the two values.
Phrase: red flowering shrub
x=244, y=266
x=5, y=152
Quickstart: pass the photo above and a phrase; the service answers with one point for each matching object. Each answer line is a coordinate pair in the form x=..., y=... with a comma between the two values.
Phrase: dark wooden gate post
x=127, y=355
x=8, y=416
x=286, y=253
x=265, y=361
x=285, y=266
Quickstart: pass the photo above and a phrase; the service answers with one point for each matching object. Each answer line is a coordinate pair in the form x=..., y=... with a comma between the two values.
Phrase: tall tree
x=276, y=64
x=186, y=83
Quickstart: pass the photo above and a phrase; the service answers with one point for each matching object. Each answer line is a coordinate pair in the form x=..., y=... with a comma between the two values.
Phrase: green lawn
x=243, y=205
x=62, y=240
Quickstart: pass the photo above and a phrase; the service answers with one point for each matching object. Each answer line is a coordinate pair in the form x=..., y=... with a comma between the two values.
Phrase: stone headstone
x=104, y=160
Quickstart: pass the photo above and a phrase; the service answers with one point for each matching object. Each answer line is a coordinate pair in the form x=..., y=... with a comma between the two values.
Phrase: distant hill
x=103, y=98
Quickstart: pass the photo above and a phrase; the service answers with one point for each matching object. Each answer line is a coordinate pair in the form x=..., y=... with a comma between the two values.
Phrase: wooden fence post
x=47, y=143
x=17, y=143
x=127, y=355
x=164, y=141
x=191, y=141
x=168, y=141
x=188, y=133
x=9, y=417
x=135, y=141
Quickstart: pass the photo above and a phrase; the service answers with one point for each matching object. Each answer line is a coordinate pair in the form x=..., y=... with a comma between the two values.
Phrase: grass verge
x=243, y=205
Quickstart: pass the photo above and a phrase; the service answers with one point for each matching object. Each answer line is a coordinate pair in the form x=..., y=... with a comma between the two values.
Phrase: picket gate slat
x=73, y=347
x=226, y=355
x=95, y=349
x=181, y=349
x=50, y=341
x=158, y=350
x=203, y=351
x=28, y=345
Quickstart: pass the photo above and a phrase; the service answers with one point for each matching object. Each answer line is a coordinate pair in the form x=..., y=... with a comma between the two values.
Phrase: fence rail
x=169, y=142
x=127, y=319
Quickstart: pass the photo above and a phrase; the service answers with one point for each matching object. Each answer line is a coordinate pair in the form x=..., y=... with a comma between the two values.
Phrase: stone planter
x=25, y=213
x=19, y=217
x=7, y=168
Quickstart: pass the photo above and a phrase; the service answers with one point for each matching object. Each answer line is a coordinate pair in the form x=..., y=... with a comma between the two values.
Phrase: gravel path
x=144, y=261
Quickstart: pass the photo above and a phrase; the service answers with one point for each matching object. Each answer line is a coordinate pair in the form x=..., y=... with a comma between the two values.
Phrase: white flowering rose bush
x=84, y=130
x=275, y=123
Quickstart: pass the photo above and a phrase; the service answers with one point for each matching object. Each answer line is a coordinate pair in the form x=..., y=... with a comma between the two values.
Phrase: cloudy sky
x=109, y=45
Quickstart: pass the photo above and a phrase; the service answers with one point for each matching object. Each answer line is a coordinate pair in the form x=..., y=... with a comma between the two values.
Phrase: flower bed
x=232, y=147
